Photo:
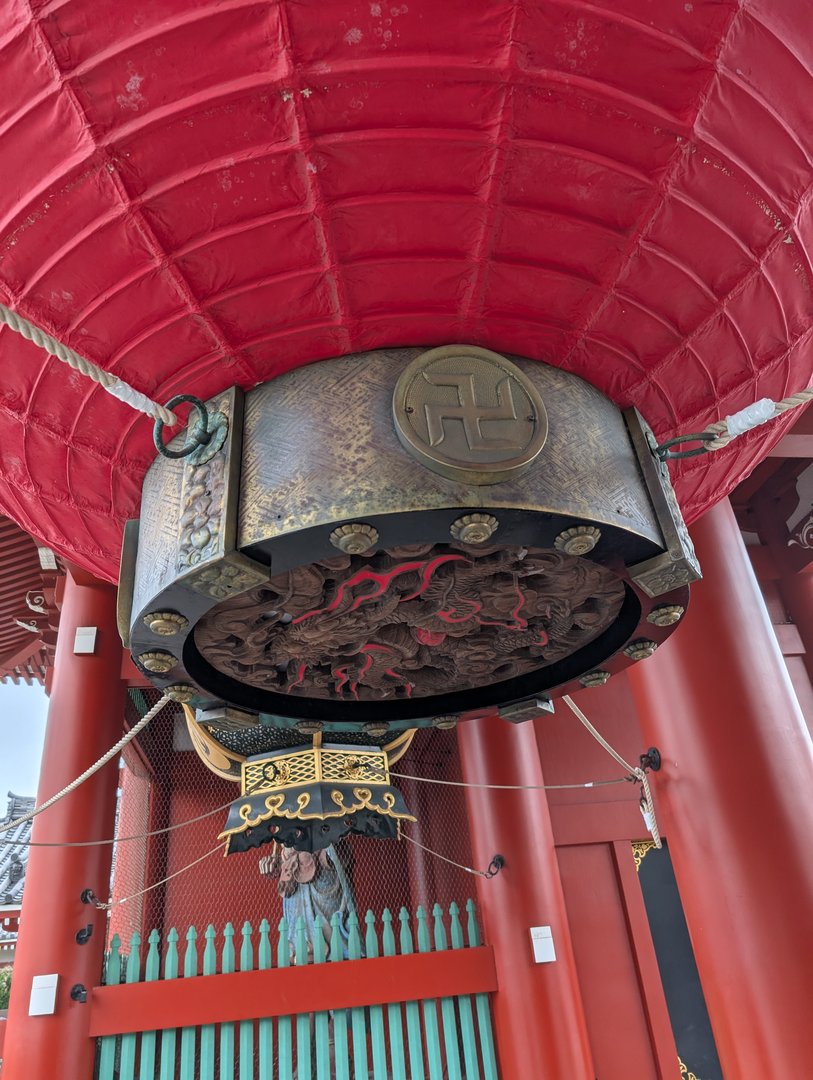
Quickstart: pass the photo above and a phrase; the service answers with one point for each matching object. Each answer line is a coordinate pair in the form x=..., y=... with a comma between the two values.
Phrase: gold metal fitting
x=376, y=728
x=640, y=649
x=309, y=727
x=474, y=528
x=354, y=539
x=165, y=623
x=182, y=692
x=577, y=541
x=159, y=663
x=595, y=678
x=666, y=614
x=444, y=723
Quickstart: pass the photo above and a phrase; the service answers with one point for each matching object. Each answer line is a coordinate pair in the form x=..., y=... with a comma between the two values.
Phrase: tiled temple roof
x=14, y=859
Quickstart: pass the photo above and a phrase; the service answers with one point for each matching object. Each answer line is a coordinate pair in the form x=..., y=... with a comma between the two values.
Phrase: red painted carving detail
x=413, y=621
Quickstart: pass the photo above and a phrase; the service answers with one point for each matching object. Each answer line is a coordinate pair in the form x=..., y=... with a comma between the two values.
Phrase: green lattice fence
x=415, y=994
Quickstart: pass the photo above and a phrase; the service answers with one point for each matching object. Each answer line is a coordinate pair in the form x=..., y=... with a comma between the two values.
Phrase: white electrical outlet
x=84, y=641
x=542, y=941
x=42, y=1001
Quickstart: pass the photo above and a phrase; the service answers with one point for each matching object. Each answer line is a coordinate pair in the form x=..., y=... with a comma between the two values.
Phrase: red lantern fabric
x=196, y=195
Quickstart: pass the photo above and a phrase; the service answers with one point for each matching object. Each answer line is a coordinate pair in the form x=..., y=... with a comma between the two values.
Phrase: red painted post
x=795, y=587
x=734, y=799
x=84, y=720
x=538, y=1014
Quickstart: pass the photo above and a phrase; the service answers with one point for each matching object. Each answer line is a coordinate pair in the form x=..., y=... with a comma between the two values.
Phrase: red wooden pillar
x=84, y=720
x=734, y=799
x=795, y=586
x=797, y=593
x=538, y=1014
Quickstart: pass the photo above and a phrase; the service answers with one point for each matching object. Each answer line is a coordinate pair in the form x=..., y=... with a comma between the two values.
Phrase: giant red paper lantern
x=200, y=195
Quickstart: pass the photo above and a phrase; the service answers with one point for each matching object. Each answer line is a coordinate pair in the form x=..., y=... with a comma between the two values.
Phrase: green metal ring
x=665, y=453
x=197, y=435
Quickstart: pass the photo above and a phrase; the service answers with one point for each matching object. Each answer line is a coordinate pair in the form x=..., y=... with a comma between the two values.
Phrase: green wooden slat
x=467, y=1031
x=413, y=1016
x=227, y=1030
x=429, y=1007
x=340, y=1047
x=487, y=1055
x=112, y=977
x=207, y=1031
x=112, y=969
x=447, y=1009
x=284, y=1041
x=459, y=1030
x=246, y=1026
x=377, y=1035
x=303, y=1021
x=357, y=1020
x=322, y=1019
x=481, y=1002
x=472, y=929
x=168, y=1034
x=190, y=970
x=152, y=969
x=128, y=1041
x=394, y=1021
x=265, y=1028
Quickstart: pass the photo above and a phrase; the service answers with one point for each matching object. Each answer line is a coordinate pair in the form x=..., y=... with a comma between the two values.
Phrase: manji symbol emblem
x=469, y=414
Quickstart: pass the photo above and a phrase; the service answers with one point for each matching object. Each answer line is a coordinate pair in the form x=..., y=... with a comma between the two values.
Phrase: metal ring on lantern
x=664, y=453
x=198, y=435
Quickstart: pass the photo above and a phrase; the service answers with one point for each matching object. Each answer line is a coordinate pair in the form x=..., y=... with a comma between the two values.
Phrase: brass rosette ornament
x=399, y=536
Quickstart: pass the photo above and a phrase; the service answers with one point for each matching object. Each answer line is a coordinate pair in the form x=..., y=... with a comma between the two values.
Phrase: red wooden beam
x=646, y=961
x=763, y=563
x=793, y=446
x=250, y=995
x=23, y=654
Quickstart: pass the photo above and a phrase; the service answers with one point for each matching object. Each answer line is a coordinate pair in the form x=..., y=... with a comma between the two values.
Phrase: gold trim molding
x=640, y=850
x=684, y=1071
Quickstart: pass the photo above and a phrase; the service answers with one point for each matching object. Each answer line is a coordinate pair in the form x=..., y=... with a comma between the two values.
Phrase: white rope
x=451, y=862
x=118, y=839
x=124, y=899
x=94, y=768
x=647, y=805
x=507, y=787
x=111, y=383
x=648, y=810
x=571, y=704
x=753, y=416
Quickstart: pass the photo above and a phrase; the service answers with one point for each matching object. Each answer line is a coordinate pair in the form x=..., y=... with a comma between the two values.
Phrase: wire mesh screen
x=164, y=783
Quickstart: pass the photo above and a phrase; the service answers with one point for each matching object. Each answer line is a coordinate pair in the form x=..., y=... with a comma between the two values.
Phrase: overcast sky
x=22, y=726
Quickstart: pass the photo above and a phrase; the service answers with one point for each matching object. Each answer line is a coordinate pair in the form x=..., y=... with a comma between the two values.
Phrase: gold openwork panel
x=281, y=771
x=346, y=766
x=312, y=765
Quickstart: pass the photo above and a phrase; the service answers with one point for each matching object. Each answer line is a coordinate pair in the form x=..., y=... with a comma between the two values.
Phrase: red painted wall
x=627, y=1021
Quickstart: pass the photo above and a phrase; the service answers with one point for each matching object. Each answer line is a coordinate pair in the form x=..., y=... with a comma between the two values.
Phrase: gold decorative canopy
x=308, y=797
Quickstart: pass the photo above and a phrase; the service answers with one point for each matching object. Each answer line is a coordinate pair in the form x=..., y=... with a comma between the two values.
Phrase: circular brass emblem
x=469, y=414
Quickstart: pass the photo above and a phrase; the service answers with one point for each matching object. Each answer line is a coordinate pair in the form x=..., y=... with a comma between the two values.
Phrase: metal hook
x=651, y=759
x=494, y=867
x=84, y=935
